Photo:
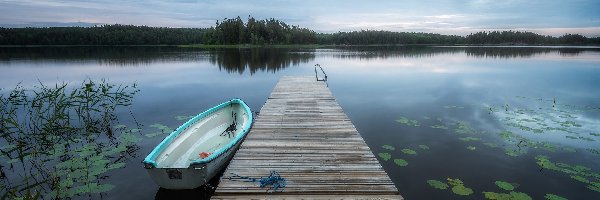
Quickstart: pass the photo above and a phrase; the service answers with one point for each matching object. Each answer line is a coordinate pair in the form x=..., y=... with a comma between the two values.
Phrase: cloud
x=443, y=16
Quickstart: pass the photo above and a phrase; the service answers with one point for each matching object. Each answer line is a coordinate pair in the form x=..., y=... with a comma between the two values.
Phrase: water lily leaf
x=385, y=156
x=595, y=134
x=519, y=196
x=424, y=147
x=580, y=179
x=472, y=148
x=388, y=147
x=454, y=182
x=400, y=162
x=437, y=184
x=496, y=196
x=409, y=151
x=408, y=122
x=437, y=126
x=462, y=190
x=505, y=185
x=554, y=197
x=467, y=139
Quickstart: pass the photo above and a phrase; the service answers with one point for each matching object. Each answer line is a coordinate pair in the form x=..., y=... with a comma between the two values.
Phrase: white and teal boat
x=197, y=150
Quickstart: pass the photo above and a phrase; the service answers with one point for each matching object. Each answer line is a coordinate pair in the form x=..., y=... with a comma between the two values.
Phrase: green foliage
x=467, y=139
x=554, y=197
x=437, y=184
x=62, y=139
x=385, y=156
x=162, y=129
x=424, y=147
x=437, y=126
x=409, y=151
x=388, y=147
x=459, y=188
x=408, y=122
x=504, y=185
x=579, y=173
x=400, y=162
x=472, y=148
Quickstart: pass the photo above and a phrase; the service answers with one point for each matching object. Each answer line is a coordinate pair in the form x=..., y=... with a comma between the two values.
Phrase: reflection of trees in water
x=59, y=143
x=372, y=52
x=104, y=55
x=263, y=59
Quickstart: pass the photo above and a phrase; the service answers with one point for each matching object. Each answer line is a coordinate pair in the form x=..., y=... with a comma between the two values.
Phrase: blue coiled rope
x=274, y=181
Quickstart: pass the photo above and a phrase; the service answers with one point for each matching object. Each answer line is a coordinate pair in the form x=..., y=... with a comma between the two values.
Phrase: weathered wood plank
x=304, y=134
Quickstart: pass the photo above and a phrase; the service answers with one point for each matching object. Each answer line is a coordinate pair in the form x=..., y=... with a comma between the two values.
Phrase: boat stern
x=178, y=178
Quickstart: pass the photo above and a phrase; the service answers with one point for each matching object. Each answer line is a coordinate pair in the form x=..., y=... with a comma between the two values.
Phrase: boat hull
x=193, y=176
x=199, y=149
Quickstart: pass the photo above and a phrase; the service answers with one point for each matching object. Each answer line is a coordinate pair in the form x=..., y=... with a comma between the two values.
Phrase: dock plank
x=305, y=135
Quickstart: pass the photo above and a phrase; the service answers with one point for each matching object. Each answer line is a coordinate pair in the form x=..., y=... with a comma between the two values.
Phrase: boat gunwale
x=150, y=159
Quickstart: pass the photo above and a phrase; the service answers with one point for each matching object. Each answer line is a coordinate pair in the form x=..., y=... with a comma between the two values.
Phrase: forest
x=266, y=32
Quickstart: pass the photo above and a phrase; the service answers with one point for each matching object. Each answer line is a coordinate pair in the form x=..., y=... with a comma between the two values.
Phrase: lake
x=442, y=120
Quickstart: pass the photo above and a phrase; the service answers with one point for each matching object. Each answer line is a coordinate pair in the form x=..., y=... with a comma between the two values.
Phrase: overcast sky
x=552, y=17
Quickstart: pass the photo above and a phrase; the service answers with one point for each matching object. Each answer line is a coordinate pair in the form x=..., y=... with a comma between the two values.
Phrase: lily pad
x=424, y=147
x=388, y=147
x=462, y=190
x=400, y=162
x=472, y=148
x=409, y=151
x=437, y=126
x=467, y=139
x=595, y=134
x=496, y=196
x=519, y=196
x=437, y=184
x=385, y=156
x=505, y=185
x=554, y=197
x=408, y=122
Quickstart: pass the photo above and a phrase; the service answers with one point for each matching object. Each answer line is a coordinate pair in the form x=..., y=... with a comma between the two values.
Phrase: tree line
x=261, y=32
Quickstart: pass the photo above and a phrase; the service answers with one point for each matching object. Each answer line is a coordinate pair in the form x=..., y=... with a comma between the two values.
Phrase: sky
x=458, y=17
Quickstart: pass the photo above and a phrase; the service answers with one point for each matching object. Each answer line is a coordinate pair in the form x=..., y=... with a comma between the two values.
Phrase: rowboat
x=196, y=151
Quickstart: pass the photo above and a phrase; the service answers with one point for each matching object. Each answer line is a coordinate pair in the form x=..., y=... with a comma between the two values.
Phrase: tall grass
x=58, y=141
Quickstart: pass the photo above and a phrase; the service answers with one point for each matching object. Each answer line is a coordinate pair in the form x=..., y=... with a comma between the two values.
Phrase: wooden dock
x=304, y=134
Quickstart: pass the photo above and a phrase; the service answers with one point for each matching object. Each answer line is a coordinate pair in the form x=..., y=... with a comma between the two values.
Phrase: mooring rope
x=274, y=181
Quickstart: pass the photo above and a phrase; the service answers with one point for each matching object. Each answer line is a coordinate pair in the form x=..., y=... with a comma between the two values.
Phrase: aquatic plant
x=467, y=139
x=554, y=197
x=463, y=128
x=437, y=126
x=408, y=122
x=424, y=147
x=579, y=173
x=162, y=129
x=61, y=142
x=472, y=148
x=388, y=147
x=506, y=196
x=400, y=162
x=459, y=188
x=595, y=134
x=437, y=184
x=409, y=151
x=504, y=185
x=385, y=156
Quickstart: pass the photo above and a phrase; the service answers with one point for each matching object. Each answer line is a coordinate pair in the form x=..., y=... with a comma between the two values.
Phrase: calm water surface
x=478, y=114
